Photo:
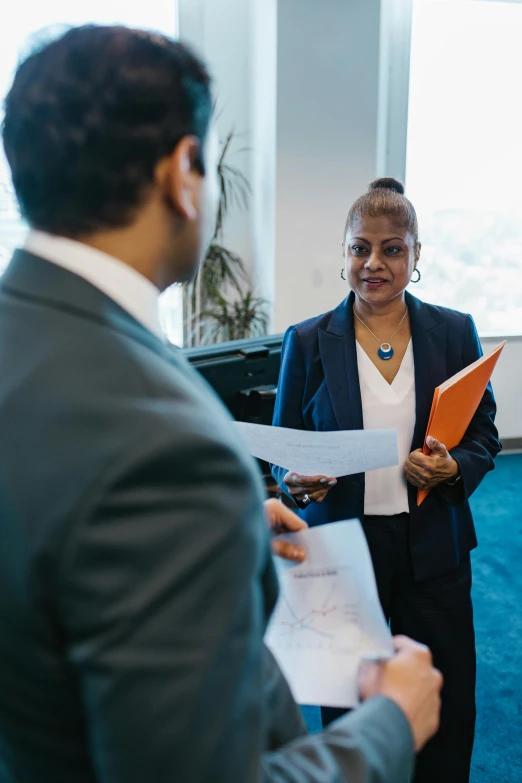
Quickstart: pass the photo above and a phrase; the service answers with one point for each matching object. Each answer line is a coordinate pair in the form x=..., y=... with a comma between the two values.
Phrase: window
x=464, y=156
x=26, y=19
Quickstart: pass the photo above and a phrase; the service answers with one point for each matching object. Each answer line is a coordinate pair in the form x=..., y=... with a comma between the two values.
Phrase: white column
x=327, y=144
x=237, y=39
x=394, y=84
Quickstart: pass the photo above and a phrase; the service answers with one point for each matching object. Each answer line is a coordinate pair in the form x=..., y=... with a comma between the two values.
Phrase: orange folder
x=455, y=402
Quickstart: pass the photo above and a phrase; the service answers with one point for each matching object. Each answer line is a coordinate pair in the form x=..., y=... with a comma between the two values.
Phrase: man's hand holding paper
x=329, y=635
x=328, y=617
x=411, y=681
x=282, y=520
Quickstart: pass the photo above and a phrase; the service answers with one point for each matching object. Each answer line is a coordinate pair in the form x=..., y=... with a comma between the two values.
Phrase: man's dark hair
x=89, y=116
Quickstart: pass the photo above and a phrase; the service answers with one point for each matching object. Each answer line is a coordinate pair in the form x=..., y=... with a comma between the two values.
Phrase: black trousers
x=438, y=613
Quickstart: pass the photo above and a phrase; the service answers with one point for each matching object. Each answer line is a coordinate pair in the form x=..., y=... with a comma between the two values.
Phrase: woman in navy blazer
x=420, y=555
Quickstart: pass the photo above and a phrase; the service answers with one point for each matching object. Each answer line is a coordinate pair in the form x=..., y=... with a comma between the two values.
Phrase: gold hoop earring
x=418, y=278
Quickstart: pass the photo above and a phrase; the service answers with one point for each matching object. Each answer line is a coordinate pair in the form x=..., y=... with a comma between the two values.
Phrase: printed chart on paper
x=318, y=616
x=328, y=615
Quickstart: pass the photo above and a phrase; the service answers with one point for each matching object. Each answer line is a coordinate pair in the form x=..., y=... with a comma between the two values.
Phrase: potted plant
x=220, y=303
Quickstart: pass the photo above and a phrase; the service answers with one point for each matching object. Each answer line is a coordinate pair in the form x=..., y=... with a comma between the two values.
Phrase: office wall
x=237, y=39
x=507, y=385
x=327, y=138
x=299, y=79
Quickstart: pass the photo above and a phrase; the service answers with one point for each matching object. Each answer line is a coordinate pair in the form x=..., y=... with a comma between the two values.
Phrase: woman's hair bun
x=387, y=183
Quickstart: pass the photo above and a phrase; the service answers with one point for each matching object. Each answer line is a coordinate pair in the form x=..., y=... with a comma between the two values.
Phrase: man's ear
x=178, y=177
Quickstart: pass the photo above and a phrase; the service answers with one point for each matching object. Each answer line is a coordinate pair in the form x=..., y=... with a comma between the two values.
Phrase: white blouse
x=388, y=406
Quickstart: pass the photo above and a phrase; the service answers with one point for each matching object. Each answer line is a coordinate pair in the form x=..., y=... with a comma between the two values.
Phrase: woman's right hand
x=305, y=489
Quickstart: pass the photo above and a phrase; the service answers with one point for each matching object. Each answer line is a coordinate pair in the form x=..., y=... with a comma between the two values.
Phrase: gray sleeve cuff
x=382, y=729
x=373, y=744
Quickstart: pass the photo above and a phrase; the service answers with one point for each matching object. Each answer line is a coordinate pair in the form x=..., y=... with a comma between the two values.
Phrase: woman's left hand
x=426, y=471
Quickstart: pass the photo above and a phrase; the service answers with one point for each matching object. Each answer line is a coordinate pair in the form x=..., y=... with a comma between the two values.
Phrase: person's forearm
x=373, y=744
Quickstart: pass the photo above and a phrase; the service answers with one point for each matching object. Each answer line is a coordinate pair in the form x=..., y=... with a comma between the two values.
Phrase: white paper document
x=311, y=453
x=328, y=616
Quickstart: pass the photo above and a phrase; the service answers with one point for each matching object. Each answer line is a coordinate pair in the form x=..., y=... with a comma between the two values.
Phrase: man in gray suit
x=136, y=578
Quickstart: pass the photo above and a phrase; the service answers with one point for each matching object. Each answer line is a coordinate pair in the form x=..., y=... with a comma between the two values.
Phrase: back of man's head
x=88, y=118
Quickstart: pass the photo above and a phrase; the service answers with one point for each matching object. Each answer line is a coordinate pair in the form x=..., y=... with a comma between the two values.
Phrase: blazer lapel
x=339, y=359
x=429, y=336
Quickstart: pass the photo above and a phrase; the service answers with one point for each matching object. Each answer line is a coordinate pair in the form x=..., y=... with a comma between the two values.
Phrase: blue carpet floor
x=497, y=597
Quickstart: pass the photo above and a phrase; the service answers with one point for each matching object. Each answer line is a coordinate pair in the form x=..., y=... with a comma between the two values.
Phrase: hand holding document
x=328, y=617
x=455, y=403
x=340, y=453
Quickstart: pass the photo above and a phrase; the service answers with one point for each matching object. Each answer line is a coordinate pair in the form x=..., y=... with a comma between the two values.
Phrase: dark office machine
x=244, y=373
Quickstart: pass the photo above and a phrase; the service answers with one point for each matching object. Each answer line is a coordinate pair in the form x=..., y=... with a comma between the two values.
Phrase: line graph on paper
x=314, y=612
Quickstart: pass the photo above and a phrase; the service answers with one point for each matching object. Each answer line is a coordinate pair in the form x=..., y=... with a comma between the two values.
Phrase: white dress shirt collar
x=123, y=284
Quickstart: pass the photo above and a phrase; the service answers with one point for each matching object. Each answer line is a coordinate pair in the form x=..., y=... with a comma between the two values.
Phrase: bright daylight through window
x=464, y=161
x=26, y=19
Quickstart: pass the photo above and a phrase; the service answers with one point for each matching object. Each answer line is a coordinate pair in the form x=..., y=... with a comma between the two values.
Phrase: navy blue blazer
x=319, y=390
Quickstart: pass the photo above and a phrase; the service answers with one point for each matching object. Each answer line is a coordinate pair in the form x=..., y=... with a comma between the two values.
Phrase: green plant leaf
x=221, y=267
x=219, y=303
x=242, y=318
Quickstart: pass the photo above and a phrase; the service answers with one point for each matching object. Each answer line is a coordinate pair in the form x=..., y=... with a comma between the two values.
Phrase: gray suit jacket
x=136, y=579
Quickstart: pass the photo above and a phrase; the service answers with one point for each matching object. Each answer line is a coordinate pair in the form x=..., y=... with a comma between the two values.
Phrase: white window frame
x=394, y=84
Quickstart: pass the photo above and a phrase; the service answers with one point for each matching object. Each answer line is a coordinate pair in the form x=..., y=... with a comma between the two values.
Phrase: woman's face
x=380, y=258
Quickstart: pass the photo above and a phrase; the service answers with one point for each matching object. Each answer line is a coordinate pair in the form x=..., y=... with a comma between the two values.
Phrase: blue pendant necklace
x=385, y=351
